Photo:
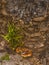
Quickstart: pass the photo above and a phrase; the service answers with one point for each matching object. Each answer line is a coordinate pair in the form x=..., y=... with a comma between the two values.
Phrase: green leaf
x=18, y=37
x=6, y=37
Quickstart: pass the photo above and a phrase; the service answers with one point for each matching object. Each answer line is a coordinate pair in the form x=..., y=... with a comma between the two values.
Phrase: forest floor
x=36, y=33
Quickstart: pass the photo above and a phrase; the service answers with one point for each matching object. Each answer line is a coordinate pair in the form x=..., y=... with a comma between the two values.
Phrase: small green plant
x=5, y=57
x=13, y=36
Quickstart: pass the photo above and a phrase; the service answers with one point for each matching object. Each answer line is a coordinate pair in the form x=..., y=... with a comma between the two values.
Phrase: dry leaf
x=24, y=52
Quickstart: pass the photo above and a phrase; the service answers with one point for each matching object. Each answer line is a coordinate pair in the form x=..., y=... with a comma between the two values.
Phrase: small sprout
x=13, y=36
